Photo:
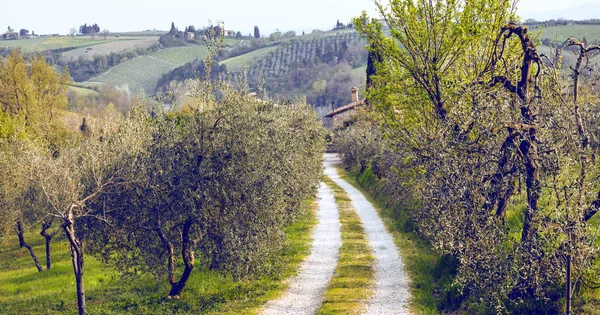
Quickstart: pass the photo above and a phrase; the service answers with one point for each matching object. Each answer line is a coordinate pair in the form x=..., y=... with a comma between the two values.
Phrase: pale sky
x=58, y=16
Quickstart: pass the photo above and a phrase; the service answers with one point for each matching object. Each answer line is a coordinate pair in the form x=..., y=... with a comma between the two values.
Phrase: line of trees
x=219, y=181
x=490, y=154
x=89, y=29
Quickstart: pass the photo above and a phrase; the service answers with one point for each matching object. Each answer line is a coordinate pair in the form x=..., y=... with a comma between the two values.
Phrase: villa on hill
x=342, y=114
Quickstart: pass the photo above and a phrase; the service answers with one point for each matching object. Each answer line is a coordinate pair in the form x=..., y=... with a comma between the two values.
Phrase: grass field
x=562, y=33
x=40, y=44
x=236, y=63
x=110, y=47
x=82, y=90
x=144, y=72
x=360, y=70
x=23, y=290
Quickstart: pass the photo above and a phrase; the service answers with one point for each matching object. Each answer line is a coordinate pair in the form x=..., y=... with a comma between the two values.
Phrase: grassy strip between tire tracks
x=23, y=290
x=352, y=283
x=423, y=265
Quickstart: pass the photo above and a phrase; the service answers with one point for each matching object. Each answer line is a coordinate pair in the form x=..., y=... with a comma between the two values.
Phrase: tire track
x=305, y=294
x=391, y=291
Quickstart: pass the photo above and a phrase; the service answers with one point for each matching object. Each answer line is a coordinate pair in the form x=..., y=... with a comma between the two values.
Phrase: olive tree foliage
x=224, y=179
x=73, y=181
x=218, y=182
x=497, y=154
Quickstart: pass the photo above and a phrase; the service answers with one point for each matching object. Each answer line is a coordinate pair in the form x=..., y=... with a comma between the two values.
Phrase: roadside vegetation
x=485, y=152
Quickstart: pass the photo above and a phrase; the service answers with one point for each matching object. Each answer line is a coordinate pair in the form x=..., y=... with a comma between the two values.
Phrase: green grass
x=429, y=272
x=563, y=32
x=236, y=63
x=23, y=290
x=180, y=55
x=360, y=70
x=352, y=281
x=144, y=72
x=82, y=90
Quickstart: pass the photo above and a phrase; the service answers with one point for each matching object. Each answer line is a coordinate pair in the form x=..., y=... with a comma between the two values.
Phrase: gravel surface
x=391, y=294
x=304, y=296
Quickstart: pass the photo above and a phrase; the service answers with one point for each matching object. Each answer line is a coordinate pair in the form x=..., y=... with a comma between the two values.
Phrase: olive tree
x=486, y=136
x=223, y=178
x=81, y=174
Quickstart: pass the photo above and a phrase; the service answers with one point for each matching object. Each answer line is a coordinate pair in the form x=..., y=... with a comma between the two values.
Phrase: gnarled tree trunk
x=22, y=244
x=77, y=260
x=48, y=237
x=187, y=254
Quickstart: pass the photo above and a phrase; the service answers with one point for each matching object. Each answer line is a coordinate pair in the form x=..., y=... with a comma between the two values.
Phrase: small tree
x=72, y=32
x=105, y=160
x=256, y=32
x=23, y=32
x=105, y=32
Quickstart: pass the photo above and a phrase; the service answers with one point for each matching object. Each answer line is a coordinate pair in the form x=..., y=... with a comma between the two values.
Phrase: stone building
x=342, y=114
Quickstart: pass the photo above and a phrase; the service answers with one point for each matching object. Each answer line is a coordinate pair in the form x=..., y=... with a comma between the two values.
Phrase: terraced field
x=144, y=72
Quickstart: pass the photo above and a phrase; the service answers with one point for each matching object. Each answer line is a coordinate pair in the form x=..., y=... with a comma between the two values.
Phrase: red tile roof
x=342, y=109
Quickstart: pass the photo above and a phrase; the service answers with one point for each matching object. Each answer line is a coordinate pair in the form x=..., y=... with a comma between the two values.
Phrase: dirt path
x=391, y=295
x=304, y=296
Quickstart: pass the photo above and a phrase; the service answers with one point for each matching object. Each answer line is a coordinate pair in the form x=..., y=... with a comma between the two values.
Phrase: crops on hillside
x=144, y=72
x=280, y=61
x=236, y=63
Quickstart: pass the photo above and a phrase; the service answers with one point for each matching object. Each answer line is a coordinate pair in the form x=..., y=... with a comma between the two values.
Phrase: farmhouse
x=342, y=114
x=190, y=36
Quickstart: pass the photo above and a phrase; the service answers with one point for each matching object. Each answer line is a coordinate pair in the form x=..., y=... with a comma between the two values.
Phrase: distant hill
x=323, y=67
x=585, y=11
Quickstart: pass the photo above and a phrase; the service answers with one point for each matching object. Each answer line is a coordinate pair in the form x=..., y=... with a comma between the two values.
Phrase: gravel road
x=391, y=295
x=304, y=296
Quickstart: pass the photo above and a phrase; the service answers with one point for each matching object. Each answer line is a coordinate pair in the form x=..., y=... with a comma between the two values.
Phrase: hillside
x=41, y=44
x=145, y=71
x=321, y=67
x=560, y=33
x=90, y=51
